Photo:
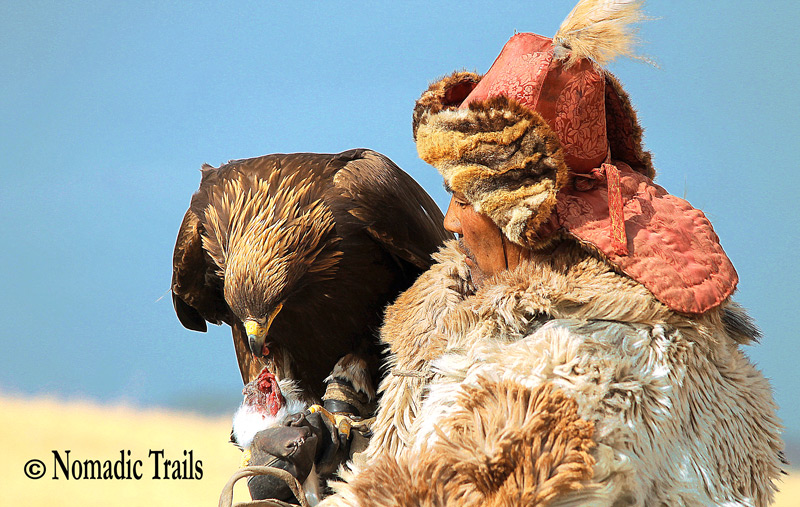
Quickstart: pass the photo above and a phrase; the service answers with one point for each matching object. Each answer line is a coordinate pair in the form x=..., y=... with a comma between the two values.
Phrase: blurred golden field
x=33, y=428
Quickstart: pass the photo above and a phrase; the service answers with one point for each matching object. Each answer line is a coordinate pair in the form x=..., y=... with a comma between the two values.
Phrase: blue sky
x=110, y=108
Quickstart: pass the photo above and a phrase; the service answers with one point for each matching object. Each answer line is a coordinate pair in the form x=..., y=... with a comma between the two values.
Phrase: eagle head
x=269, y=238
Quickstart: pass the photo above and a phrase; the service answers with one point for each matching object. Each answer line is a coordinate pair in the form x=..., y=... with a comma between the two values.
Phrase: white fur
x=681, y=416
x=247, y=421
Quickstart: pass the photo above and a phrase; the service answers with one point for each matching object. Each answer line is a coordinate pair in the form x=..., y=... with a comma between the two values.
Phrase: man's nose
x=451, y=221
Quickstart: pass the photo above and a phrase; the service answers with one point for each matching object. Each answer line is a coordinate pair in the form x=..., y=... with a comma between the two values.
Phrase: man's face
x=480, y=239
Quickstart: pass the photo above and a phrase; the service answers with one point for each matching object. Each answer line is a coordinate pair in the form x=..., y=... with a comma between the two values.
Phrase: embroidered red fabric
x=619, y=240
x=672, y=247
x=571, y=101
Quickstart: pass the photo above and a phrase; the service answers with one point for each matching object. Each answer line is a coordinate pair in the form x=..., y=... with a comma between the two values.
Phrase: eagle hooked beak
x=257, y=334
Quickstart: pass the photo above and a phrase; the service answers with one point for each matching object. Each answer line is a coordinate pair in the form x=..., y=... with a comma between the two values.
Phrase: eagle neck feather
x=266, y=236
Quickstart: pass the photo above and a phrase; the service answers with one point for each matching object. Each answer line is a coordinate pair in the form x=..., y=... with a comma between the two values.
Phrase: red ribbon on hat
x=619, y=240
x=609, y=173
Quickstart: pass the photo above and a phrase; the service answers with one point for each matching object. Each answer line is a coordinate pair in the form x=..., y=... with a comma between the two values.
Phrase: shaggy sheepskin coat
x=563, y=383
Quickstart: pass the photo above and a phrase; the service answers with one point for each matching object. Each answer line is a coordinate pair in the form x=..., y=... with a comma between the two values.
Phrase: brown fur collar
x=506, y=445
x=566, y=281
x=563, y=282
x=640, y=374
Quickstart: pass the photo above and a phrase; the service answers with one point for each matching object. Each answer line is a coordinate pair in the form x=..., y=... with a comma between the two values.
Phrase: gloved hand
x=334, y=441
x=299, y=442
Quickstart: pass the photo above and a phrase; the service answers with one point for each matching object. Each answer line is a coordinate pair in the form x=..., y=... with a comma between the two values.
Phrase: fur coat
x=563, y=383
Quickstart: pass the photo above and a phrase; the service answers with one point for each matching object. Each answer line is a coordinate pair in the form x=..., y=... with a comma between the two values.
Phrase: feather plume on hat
x=599, y=30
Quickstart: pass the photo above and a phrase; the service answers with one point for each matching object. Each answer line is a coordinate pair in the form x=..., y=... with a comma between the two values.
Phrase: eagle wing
x=196, y=288
x=393, y=208
x=383, y=201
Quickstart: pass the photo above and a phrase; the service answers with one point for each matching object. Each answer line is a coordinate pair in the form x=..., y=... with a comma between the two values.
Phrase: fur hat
x=547, y=141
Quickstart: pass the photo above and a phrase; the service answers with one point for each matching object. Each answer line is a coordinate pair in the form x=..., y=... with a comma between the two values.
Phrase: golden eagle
x=299, y=254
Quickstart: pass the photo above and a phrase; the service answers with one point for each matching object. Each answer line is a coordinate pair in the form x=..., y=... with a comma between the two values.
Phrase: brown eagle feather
x=333, y=237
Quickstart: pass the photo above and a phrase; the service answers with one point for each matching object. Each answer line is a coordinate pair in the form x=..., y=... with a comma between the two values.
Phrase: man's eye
x=461, y=204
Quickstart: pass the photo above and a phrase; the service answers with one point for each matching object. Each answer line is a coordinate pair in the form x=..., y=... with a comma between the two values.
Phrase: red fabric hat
x=547, y=142
x=570, y=99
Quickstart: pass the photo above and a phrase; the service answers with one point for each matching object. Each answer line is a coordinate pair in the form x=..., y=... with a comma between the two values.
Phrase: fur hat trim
x=501, y=156
x=623, y=129
x=445, y=93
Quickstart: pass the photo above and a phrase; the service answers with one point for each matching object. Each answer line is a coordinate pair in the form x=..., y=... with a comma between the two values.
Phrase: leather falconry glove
x=300, y=441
